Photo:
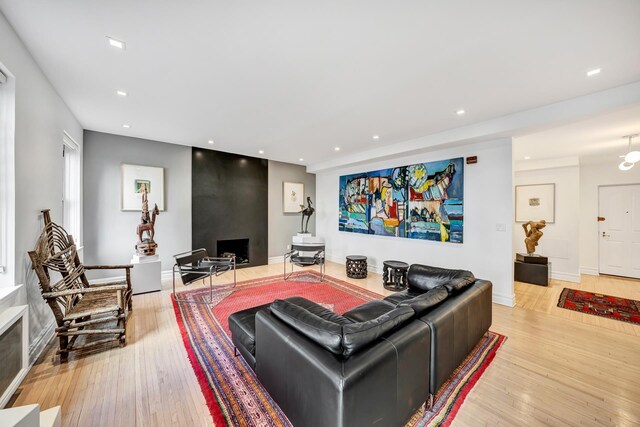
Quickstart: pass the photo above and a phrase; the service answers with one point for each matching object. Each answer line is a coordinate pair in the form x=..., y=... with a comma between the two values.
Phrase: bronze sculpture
x=533, y=234
x=147, y=246
x=308, y=211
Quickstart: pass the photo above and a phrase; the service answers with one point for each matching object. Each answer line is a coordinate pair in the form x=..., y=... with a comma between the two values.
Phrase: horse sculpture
x=308, y=211
x=147, y=247
x=148, y=224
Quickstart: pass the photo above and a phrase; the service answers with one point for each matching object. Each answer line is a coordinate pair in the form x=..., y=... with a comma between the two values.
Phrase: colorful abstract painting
x=421, y=201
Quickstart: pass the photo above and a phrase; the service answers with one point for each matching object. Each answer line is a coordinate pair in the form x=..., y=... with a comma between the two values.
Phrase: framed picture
x=536, y=202
x=135, y=178
x=292, y=196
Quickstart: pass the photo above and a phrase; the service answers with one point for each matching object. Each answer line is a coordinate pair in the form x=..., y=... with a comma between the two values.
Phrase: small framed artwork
x=135, y=178
x=536, y=202
x=292, y=196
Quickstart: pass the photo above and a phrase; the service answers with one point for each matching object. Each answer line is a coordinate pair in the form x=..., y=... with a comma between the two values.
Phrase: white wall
x=488, y=201
x=591, y=177
x=41, y=119
x=560, y=241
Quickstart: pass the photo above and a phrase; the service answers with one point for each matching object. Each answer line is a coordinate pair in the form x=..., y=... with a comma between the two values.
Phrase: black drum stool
x=356, y=266
x=394, y=275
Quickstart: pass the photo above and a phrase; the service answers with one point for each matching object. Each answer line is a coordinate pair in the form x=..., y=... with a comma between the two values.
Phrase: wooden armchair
x=97, y=312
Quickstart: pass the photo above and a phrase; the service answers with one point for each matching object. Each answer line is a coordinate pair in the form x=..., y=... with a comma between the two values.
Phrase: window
x=71, y=202
x=7, y=178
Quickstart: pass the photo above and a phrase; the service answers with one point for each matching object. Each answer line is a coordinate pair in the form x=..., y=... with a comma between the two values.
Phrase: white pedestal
x=146, y=274
x=307, y=238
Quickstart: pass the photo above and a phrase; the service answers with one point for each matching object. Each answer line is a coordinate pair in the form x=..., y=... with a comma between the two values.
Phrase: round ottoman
x=394, y=275
x=356, y=266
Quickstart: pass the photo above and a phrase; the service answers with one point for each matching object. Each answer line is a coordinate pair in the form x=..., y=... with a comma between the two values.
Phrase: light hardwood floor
x=557, y=367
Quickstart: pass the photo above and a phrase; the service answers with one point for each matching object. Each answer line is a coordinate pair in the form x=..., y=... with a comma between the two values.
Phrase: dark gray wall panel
x=230, y=197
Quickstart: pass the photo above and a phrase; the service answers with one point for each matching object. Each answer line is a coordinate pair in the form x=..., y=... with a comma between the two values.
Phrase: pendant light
x=632, y=157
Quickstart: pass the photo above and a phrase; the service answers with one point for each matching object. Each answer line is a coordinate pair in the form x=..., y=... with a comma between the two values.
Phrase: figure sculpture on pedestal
x=533, y=234
x=308, y=211
x=146, y=245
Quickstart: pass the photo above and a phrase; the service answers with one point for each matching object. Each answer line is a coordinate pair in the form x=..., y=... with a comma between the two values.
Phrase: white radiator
x=14, y=350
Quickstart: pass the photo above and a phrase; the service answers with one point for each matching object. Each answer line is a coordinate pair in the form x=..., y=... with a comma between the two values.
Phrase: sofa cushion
x=369, y=311
x=359, y=335
x=325, y=333
x=242, y=325
x=425, y=302
x=398, y=297
x=425, y=278
x=319, y=310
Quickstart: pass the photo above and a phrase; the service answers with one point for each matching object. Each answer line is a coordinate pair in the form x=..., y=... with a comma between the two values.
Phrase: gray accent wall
x=282, y=226
x=41, y=118
x=109, y=233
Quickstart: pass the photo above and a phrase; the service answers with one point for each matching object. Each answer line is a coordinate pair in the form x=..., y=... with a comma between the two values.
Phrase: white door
x=619, y=230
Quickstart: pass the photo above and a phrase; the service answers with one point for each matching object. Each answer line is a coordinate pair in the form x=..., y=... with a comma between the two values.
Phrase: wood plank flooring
x=557, y=367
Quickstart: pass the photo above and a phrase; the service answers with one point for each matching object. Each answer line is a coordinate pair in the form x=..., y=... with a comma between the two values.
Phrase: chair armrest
x=290, y=253
x=219, y=258
x=107, y=288
x=107, y=267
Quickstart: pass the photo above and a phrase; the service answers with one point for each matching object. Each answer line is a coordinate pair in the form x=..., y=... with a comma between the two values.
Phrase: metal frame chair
x=304, y=261
x=196, y=265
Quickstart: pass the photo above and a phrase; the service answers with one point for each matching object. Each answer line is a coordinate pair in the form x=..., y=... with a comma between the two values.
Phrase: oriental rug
x=234, y=395
x=623, y=309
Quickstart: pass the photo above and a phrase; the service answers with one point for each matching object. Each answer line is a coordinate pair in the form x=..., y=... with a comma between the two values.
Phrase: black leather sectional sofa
x=375, y=364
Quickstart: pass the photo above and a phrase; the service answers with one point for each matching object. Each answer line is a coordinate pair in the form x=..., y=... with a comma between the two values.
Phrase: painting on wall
x=135, y=178
x=292, y=197
x=421, y=201
x=535, y=203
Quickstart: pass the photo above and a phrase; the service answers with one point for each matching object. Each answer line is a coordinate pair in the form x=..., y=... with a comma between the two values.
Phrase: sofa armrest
x=382, y=385
x=457, y=325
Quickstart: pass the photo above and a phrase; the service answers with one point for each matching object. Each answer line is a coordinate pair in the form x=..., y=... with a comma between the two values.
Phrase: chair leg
x=64, y=353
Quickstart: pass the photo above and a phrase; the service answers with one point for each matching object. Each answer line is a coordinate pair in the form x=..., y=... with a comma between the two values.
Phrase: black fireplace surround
x=229, y=203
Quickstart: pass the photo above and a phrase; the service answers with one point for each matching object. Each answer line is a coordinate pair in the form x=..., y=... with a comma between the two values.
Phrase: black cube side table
x=532, y=269
x=394, y=275
x=356, y=266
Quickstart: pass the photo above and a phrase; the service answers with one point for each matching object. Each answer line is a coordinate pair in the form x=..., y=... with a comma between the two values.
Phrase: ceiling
x=594, y=140
x=297, y=79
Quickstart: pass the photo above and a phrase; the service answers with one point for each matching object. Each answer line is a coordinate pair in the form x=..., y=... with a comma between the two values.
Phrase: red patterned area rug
x=626, y=310
x=232, y=392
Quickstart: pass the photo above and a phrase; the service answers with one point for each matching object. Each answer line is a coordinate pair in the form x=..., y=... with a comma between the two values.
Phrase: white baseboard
x=276, y=259
x=166, y=274
x=509, y=301
x=590, y=271
x=566, y=277
x=39, y=343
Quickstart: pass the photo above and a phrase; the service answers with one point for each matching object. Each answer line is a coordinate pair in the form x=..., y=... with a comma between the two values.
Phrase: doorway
x=619, y=230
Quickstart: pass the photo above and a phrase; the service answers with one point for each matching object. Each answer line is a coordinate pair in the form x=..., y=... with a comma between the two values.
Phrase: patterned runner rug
x=626, y=310
x=232, y=392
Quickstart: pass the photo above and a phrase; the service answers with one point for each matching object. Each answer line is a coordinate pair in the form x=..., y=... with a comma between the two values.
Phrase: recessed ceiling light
x=594, y=72
x=527, y=157
x=301, y=159
x=211, y=141
x=376, y=136
x=121, y=93
x=126, y=126
x=117, y=43
x=337, y=149
x=260, y=151
x=460, y=112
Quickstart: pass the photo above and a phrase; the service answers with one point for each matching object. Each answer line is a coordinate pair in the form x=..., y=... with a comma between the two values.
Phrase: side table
x=356, y=266
x=394, y=275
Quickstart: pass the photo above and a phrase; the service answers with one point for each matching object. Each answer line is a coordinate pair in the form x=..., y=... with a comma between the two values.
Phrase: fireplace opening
x=237, y=247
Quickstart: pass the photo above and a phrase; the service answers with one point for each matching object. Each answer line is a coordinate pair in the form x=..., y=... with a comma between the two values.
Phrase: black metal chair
x=306, y=260
x=197, y=265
